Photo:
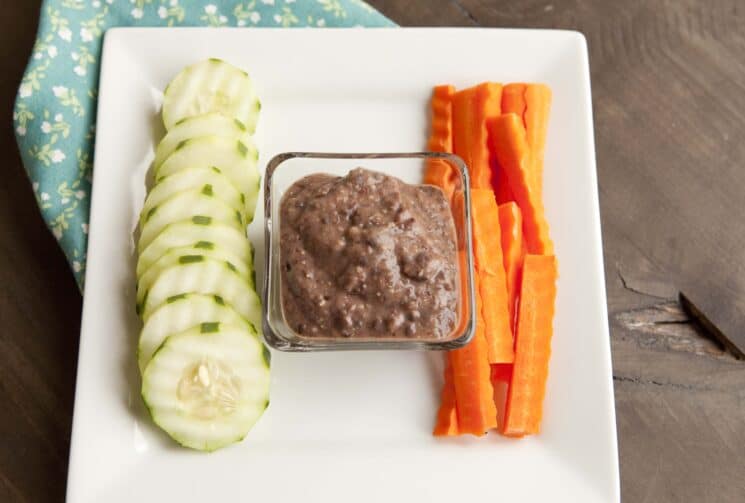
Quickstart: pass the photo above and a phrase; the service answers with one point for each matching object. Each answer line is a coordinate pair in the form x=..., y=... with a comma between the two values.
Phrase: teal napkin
x=54, y=114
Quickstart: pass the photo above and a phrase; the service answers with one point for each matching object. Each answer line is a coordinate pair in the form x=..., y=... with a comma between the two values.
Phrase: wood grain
x=668, y=79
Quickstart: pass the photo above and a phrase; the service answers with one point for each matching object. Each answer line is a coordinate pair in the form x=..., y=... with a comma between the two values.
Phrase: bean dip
x=367, y=255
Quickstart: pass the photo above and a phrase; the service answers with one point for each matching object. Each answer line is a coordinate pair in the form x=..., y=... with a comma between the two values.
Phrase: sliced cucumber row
x=205, y=371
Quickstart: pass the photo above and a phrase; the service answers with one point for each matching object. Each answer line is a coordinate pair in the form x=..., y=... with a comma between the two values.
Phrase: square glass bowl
x=287, y=168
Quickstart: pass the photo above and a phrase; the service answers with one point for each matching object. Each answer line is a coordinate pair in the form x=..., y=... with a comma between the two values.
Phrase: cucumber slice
x=184, y=205
x=211, y=86
x=185, y=255
x=213, y=123
x=209, y=180
x=206, y=276
x=234, y=158
x=243, y=262
x=206, y=387
x=180, y=313
x=195, y=231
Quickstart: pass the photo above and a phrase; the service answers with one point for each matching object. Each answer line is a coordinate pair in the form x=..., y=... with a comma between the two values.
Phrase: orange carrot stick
x=447, y=416
x=474, y=394
x=492, y=282
x=511, y=225
x=535, y=118
x=513, y=252
x=487, y=238
x=441, y=138
x=507, y=138
x=490, y=271
x=438, y=172
x=496, y=318
x=472, y=108
x=513, y=99
x=532, y=103
x=527, y=388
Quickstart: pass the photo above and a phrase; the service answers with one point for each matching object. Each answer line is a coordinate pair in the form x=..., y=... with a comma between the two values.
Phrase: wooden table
x=669, y=99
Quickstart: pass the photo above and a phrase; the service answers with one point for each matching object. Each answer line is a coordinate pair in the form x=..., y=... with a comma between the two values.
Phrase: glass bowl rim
x=307, y=344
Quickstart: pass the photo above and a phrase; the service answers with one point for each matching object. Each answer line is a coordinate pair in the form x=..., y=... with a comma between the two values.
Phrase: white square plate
x=344, y=426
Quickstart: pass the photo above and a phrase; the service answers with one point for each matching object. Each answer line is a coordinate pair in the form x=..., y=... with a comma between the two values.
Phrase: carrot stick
x=496, y=318
x=439, y=172
x=441, y=138
x=532, y=103
x=535, y=118
x=472, y=108
x=507, y=138
x=492, y=282
x=527, y=388
x=447, y=416
x=490, y=271
x=487, y=240
x=513, y=252
x=511, y=225
x=474, y=394
x=513, y=99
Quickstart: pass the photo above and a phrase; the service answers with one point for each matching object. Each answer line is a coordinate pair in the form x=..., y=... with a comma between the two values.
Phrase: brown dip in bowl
x=367, y=256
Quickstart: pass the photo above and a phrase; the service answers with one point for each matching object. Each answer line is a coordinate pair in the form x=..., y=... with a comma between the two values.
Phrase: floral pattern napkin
x=54, y=114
